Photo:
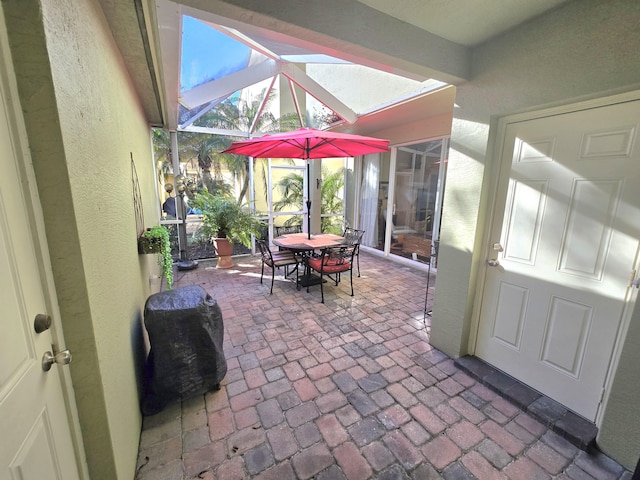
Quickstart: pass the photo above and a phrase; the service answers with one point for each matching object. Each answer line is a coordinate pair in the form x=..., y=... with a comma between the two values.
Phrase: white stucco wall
x=587, y=49
x=84, y=124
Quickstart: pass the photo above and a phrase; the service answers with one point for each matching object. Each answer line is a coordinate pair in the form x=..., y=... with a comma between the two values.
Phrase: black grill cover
x=186, y=358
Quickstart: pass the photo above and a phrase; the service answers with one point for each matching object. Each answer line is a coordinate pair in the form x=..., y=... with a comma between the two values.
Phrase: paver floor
x=348, y=389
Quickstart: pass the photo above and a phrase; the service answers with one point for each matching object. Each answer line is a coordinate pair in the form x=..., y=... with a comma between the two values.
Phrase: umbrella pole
x=308, y=201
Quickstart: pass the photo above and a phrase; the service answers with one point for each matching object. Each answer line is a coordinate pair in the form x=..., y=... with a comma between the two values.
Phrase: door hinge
x=633, y=281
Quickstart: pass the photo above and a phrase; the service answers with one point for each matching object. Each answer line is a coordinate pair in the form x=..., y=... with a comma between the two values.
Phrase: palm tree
x=202, y=148
x=162, y=151
x=292, y=191
x=240, y=114
x=230, y=114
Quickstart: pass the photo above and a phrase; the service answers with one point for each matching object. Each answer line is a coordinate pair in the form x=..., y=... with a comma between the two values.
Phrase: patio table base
x=309, y=280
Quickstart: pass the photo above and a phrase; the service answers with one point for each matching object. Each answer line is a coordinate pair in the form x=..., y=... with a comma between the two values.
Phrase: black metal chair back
x=354, y=237
x=332, y=262
x=284, y=229
x=276, y=260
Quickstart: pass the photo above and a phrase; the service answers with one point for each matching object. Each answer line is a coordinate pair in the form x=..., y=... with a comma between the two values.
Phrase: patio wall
x=84, y=123
x=586, y=49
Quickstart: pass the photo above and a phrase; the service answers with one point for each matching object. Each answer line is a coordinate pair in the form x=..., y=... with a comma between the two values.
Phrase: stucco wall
x=586, y=49
x=84, y=124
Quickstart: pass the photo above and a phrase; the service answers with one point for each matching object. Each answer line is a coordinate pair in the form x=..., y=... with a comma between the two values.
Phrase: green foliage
x=156, y=240
x=202, y=149
x=291, y=188
x=223, y=216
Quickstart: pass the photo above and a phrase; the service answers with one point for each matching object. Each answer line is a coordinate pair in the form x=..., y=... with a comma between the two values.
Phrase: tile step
x=566, y=423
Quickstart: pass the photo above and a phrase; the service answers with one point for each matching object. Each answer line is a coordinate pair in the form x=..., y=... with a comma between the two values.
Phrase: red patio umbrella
x=308, y=144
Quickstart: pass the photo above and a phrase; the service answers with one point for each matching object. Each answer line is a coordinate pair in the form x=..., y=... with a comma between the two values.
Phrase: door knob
x=61, y=358
x=41, y=323
x=493, y=263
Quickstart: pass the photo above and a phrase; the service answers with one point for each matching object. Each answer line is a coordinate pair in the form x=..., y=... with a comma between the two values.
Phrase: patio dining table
x=302, y=244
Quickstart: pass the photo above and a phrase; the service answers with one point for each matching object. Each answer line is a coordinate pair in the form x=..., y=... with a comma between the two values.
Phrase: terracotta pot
x=224, y=250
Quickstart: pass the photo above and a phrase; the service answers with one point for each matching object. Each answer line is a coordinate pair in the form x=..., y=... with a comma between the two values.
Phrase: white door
x=565, y=245
x=36, y=439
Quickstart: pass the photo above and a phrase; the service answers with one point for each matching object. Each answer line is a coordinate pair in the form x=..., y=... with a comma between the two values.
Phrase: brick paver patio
x=349, y=389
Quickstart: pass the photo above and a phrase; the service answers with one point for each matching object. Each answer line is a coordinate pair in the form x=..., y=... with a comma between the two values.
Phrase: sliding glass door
x=400, y=199
x=371, y=203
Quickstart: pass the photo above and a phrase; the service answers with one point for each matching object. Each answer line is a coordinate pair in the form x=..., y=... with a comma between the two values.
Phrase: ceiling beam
x=169, y=20
x=375, y=40
x=225, y=86
x=219, y=131
x=317, y=91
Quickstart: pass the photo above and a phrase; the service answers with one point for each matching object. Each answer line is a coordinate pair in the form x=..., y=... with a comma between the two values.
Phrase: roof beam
x=236, y=35
x=376, y=39
x=313, y=88
x=169, y=28
x=231, y=83
x=220, y=131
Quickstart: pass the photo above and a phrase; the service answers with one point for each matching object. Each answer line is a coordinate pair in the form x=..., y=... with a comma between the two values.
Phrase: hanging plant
x=156, y=240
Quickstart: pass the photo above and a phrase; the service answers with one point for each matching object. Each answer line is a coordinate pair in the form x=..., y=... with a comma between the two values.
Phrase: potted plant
x=156, y=240
x=225, y=221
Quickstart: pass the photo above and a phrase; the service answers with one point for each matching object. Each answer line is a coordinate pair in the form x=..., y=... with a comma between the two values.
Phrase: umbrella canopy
x=308, y=144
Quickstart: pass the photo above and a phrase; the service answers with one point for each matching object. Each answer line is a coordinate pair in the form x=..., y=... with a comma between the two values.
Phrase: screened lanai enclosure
x=237, y=85
x=395, y=197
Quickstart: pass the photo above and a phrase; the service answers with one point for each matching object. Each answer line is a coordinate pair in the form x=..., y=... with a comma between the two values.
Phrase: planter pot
x=149, y=245
x=224, y=250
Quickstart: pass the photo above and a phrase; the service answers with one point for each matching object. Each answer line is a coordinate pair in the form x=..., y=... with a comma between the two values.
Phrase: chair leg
x=261, y=273
x=273, y=274
x=321, y=289
x=358, y=258
x=351, y=278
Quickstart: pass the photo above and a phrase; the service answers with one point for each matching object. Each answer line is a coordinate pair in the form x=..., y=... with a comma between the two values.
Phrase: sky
x=208, y=54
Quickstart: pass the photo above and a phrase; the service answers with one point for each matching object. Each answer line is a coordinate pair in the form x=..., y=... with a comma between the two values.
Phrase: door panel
x=565, y=237
x=565, y=335
x=523, y=232
x=592, y=209
x=35, y=459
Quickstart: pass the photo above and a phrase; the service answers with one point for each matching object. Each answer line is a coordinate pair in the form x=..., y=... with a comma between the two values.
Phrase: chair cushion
x=330, y=265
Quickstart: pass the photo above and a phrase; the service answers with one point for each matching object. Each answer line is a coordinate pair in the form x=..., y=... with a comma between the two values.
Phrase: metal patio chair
x=275, y=260
x=332, y=263
x=354, y=237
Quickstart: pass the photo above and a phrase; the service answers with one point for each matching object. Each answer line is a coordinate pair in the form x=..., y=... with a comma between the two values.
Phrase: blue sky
x=208, y=54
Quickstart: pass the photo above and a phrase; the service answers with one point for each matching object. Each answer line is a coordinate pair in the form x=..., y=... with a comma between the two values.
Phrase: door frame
x=491, y=186
x=272, y=214
x=35, y=218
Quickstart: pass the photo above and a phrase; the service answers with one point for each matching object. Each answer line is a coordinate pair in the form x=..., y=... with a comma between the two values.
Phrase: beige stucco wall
x=84, y=124
x=587, y=49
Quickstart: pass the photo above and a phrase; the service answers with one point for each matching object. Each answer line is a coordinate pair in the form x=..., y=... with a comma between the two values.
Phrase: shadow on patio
x=346, y=389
